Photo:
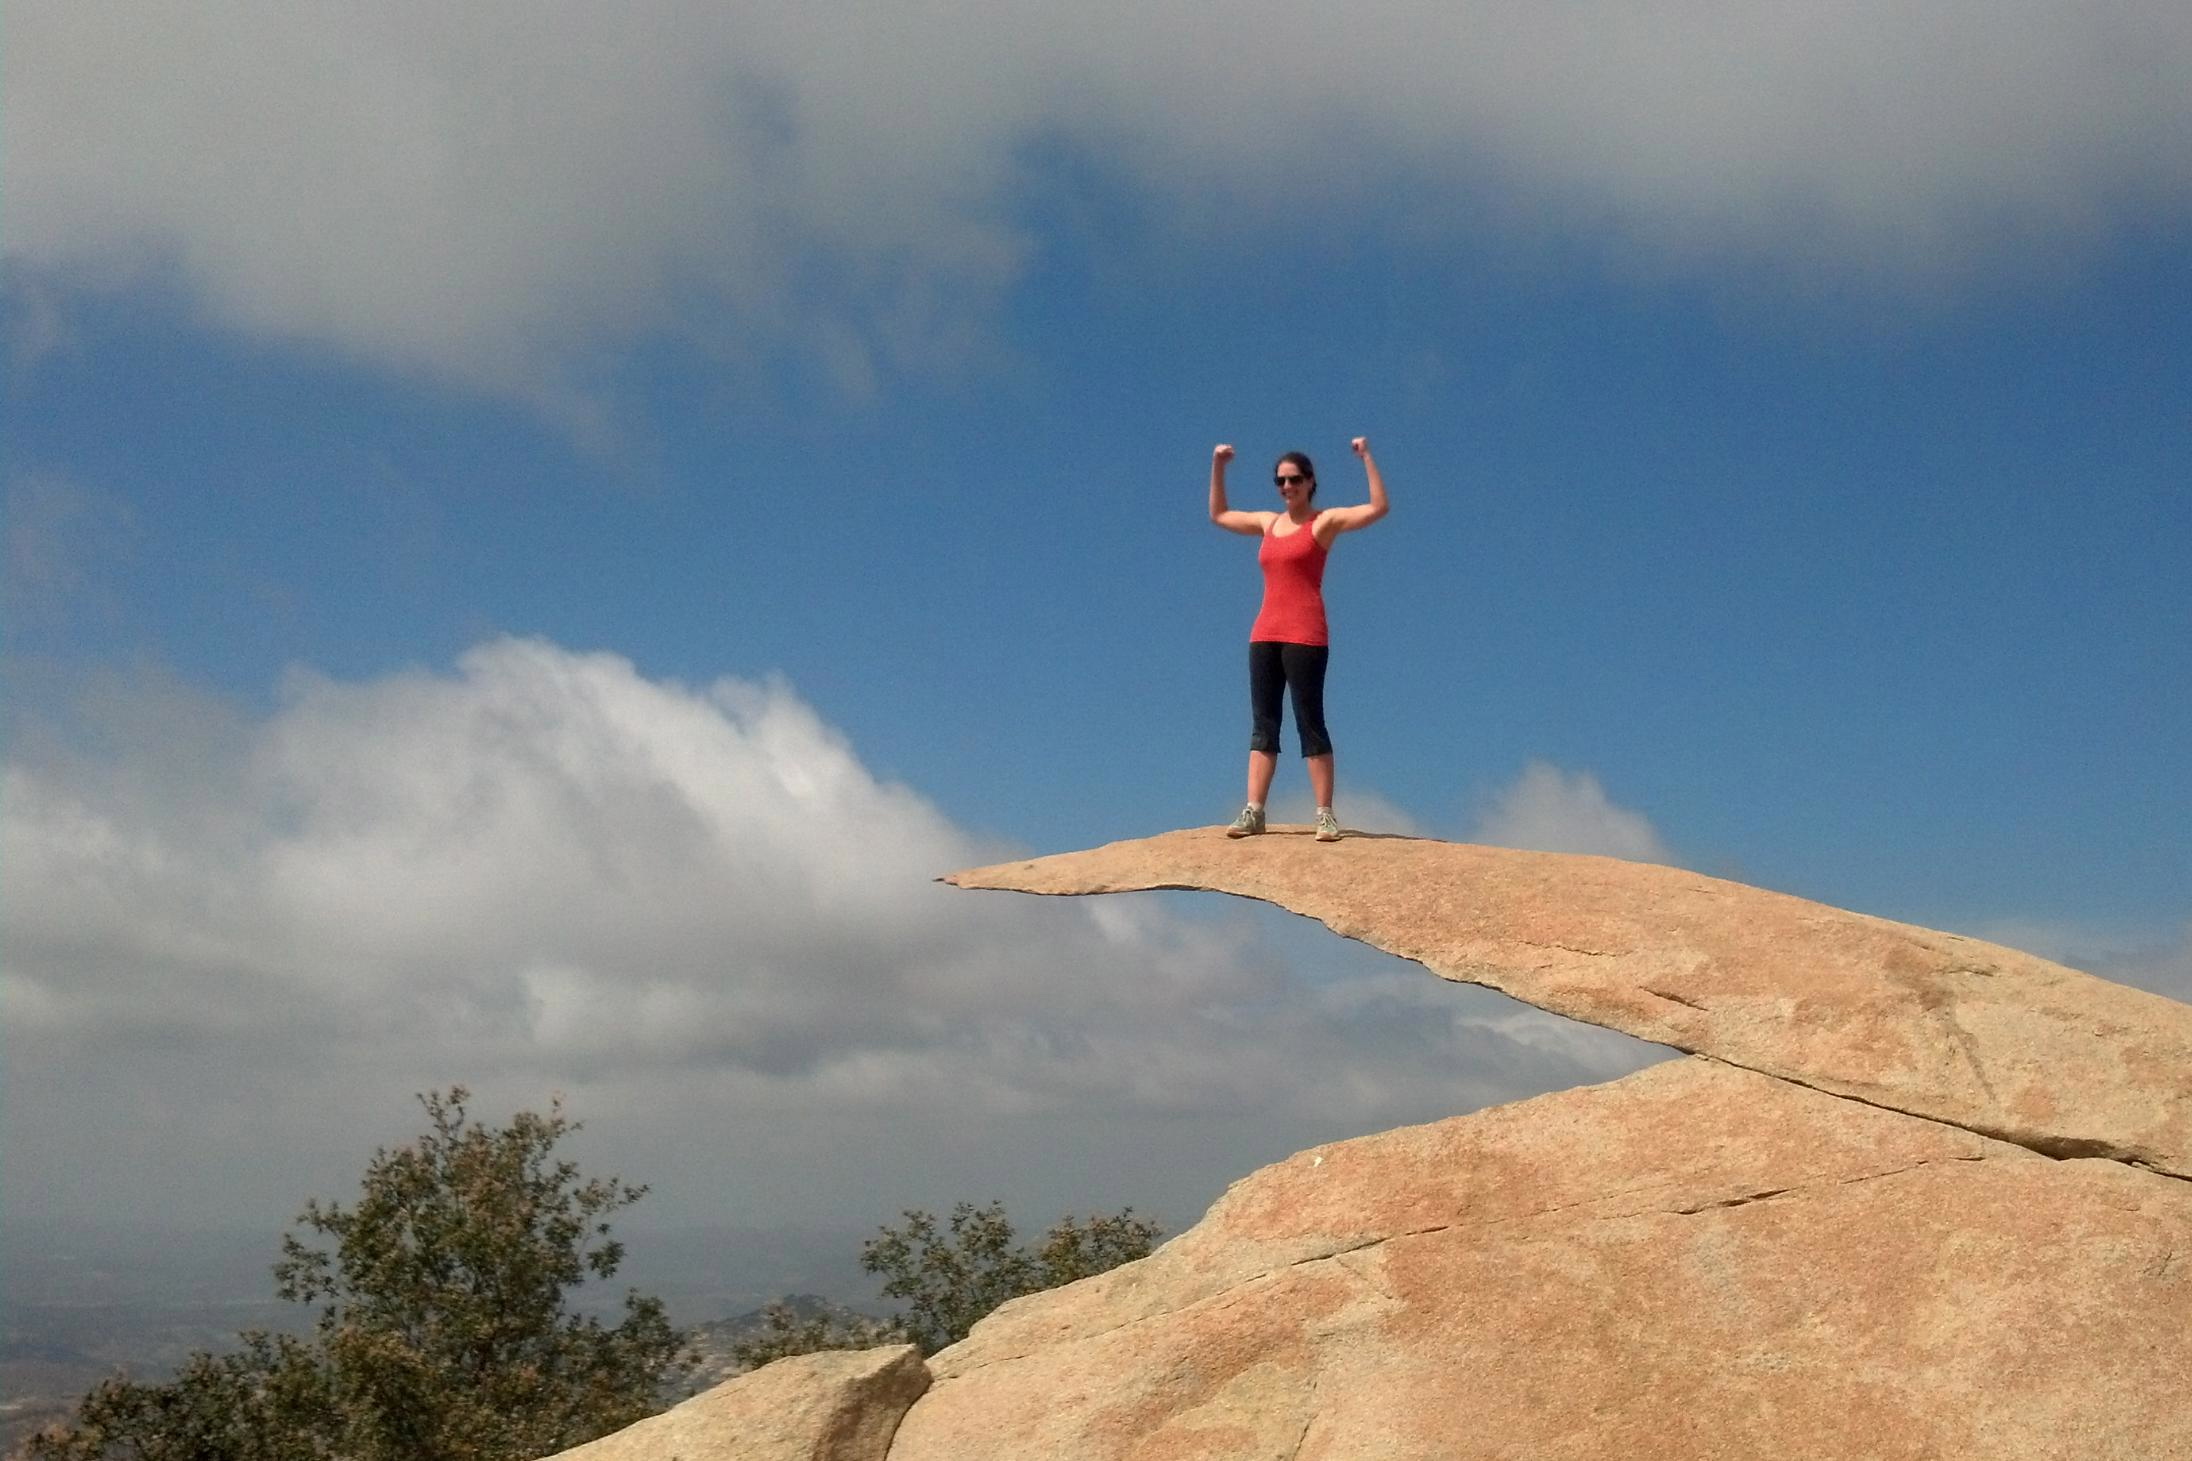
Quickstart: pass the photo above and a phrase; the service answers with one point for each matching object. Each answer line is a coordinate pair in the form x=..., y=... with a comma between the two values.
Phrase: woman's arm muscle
x=1233, y=520
x=1348, y=519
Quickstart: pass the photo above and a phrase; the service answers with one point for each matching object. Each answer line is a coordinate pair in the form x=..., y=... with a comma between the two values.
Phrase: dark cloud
x=488, y=195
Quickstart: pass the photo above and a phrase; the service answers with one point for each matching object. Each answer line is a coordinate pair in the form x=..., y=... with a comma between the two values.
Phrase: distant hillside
x=81, y=1301
x=714, y=1339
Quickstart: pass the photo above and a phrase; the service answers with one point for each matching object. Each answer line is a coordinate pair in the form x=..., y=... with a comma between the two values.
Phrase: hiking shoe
x=1248, y=824
x=1328, y=826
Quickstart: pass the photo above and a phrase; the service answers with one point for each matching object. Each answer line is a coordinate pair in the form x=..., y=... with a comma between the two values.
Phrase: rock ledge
x=1910, y=1019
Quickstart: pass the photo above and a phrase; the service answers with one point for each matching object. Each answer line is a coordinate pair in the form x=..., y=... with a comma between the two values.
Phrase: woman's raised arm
x=1233, y=521
x=1347, y=519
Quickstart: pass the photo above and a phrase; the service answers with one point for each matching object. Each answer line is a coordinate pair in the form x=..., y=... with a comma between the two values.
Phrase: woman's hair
x=1301, y=460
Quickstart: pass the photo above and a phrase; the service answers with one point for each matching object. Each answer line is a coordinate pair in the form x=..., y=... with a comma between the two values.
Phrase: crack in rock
x=1368, y=1275
x=1338, y=1253
x=1308, y=1420
x=1968, y=1045
x=1541, y=944
x=1743, y=1201
x=1235, y=1291
x=2059, y=1148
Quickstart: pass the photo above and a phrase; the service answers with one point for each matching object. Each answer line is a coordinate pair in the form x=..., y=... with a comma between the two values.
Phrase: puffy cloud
x=692, y=906
x=487, y=191
x=1359, y=809
x=1551, y=810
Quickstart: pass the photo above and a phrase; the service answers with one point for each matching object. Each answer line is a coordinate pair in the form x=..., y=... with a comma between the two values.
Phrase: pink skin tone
x=1327, y=525
x=1263, y=765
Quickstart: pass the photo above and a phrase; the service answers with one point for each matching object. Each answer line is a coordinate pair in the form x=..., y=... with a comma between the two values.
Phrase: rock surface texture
x=819, y=1407
x=1693, y=1262
x=1929, y=1023
x=1914, y=1196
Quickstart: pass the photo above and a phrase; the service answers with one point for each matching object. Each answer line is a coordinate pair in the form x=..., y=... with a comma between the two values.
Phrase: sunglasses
x=1288, y=479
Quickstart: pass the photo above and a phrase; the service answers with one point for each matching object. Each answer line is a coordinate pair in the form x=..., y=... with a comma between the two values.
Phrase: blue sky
x=417, y=422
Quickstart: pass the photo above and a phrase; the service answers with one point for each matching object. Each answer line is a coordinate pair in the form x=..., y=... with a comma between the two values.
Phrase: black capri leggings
x=1274, y=668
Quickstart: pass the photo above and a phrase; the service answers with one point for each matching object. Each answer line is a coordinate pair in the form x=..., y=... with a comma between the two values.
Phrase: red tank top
x=1293, y=588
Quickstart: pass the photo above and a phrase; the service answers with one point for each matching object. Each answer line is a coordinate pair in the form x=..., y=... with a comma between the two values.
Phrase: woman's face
x=1293, y=484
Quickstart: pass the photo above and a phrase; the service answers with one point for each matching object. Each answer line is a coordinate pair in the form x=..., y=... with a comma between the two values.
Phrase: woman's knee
x=1305, y=670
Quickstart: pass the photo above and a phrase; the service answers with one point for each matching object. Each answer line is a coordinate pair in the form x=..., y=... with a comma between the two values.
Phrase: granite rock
x=1933, y=1024
x=840, y=1406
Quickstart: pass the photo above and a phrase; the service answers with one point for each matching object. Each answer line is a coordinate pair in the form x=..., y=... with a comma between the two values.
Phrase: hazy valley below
x=80, y=1301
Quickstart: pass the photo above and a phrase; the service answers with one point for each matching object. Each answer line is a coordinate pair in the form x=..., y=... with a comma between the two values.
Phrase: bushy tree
x=241, y=1406
x=953, y=1276
x=442, y=1333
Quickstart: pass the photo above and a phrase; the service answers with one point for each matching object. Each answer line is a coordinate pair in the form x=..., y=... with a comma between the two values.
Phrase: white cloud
x=1358, y=809
x=488, y=191
x=692, y=907
x=1551, y=810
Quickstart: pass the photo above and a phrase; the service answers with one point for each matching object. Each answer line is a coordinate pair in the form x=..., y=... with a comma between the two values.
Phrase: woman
x=1288, y=646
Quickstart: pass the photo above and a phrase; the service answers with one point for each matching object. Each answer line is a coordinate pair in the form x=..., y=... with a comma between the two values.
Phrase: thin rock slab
x=1916, y=1020
x=844, y=1405
x=1695, y=1261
